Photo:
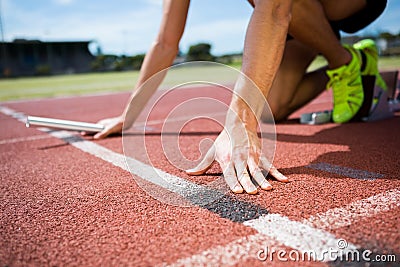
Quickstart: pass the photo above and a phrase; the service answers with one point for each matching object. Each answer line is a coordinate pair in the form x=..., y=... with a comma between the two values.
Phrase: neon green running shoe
x=369, y=54
x=346, y=83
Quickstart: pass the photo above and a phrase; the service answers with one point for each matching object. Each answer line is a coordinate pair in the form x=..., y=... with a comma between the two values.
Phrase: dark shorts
x=359, y=20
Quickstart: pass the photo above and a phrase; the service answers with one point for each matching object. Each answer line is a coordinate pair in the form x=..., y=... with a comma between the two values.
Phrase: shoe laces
x=338, y=84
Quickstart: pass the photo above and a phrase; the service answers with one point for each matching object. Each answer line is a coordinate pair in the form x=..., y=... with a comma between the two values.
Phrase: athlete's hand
x=111, y=126
x=238, y=152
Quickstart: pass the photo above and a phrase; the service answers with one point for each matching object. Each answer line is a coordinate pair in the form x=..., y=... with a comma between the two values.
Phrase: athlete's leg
x=341, y=9
x=312, y=84
x=311, y=27
x=292, y=87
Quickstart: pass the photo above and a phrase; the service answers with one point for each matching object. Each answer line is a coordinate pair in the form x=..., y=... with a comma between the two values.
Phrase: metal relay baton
x=63, y=124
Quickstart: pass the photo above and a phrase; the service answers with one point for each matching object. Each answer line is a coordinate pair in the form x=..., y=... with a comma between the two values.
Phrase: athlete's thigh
x=341, y=9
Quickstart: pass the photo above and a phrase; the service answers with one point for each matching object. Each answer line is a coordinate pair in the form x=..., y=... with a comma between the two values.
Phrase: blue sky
x=129, y=26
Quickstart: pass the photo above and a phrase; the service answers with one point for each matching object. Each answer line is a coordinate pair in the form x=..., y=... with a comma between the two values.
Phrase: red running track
x=63, y=206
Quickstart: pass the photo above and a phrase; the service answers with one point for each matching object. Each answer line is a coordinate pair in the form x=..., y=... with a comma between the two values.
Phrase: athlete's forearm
x=158, y=58
x=265, y=41
x=263, y=50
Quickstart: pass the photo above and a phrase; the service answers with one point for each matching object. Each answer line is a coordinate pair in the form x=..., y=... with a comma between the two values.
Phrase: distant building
x=32, y=57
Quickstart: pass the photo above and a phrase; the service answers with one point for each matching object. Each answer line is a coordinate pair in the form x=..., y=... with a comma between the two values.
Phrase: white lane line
x=22, y=118
x=194, y=193
x=190, y=191
x=364, y=208
x=24, y=139
x=272, y=228
x=274, y=233
x=297, y=235
x=12, y=113
x=345, y=171
x=236, y=251
x=309, y=236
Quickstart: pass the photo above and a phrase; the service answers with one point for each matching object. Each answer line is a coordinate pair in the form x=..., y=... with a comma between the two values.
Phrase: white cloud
x=226, y=35
x=131, y=27
x=129, y=31
x=63, y=2
x=157, y=3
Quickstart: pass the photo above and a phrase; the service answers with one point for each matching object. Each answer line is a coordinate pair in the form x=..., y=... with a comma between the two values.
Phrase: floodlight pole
x=1, y=22
x=4, y=48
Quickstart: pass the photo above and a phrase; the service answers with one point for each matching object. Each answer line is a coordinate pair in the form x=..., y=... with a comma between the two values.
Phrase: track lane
x=336, y=183
x=67, y=207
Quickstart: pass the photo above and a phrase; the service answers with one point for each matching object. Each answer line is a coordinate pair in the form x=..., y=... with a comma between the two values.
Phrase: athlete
x=312, y=25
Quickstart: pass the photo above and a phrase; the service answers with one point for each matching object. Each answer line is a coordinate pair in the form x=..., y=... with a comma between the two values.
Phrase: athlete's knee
x=280, y=109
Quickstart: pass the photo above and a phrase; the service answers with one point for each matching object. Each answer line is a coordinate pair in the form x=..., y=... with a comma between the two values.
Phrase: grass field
x=81, y=84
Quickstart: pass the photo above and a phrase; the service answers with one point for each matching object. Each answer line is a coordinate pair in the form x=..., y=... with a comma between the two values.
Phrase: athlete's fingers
x=205, y=164
x=278, y=175
x=231, y=178
x=103, y=134
x=244, y=177
x=257, y=175
x=266, y=165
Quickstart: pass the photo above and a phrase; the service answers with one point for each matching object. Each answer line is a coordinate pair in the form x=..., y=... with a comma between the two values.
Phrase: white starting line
x=274, y=230
x=310, y=235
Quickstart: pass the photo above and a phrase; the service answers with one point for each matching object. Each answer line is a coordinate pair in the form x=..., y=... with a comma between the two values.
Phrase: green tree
x=387, y=35
x=200, y=51
x=137, y=61
x=104, y=62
